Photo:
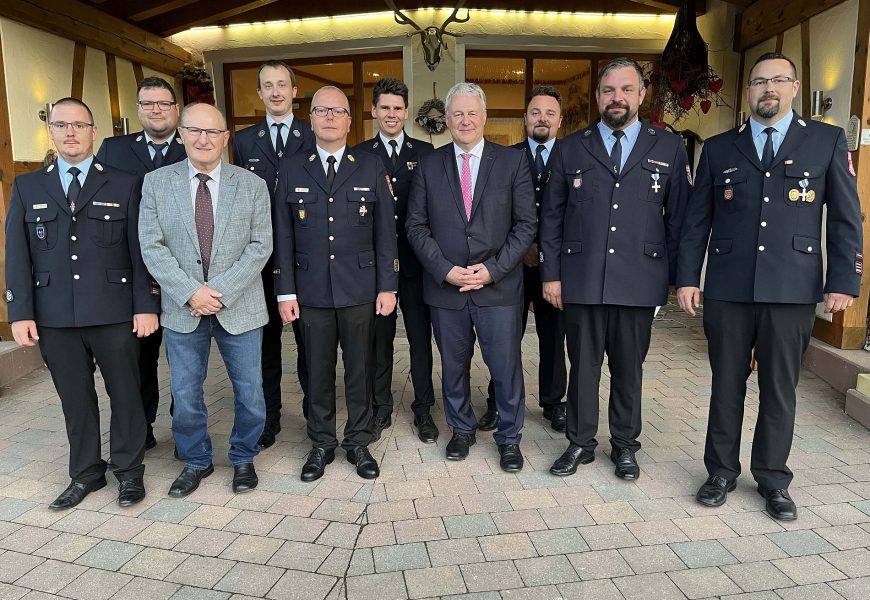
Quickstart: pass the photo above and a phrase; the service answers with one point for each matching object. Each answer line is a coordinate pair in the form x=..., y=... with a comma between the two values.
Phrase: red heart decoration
x=679, y=85
x=687, y=103
x=705, y=106
x=715, y=85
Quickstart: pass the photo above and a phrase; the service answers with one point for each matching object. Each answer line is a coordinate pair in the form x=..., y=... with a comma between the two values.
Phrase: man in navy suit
x=542, y=120
x=158, y=144
x=471, y=220
x=259, y=149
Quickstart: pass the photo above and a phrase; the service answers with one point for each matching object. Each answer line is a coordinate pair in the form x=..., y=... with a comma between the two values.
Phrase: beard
x=615, y=122
x=159, y=131
x=540, y=135
x=767, y=111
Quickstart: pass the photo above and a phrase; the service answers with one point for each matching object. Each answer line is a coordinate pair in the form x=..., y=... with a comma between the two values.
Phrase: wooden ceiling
x=167, y=17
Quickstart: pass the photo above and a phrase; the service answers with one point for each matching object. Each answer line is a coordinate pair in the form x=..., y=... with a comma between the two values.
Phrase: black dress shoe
x=457, y=447
x=270, y=430
x=75, y=493
x=626, y=465
x=110, y=465
x=150, y=440
x=366, y=465
x=316, y=463
x=571, y=458
x=778, y=504
x=714, y=491
x=244, y=478
x=186, y=483
x=557, y=416
x=489, y=420
x=131, y=491
x=426, y=429
x=511, y=458
x=379, y=423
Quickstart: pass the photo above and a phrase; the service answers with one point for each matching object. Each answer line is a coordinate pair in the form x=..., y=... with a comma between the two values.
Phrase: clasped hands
x=204, y=302
x=473, y=277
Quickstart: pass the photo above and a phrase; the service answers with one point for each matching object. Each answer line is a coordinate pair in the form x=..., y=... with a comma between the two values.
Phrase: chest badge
x=655, y=182
x=363, y=211
x=578, y=181
x=301, y=213
x=728, y=194
x=40, y=231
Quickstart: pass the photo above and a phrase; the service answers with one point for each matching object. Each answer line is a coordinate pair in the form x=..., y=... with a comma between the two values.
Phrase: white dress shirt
x=400, y=139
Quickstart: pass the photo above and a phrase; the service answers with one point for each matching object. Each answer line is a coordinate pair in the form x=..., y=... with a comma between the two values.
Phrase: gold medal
x=793, y=195
x=811, y=195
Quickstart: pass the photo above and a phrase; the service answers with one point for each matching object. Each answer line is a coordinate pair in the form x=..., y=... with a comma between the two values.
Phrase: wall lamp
x=46, y=112
x=820, y=104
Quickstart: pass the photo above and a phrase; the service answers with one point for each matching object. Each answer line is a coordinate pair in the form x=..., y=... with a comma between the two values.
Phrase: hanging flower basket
x=197, y=84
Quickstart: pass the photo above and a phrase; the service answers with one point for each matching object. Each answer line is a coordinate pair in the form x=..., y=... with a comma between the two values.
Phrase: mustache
x=617, y=105
x=769, y=96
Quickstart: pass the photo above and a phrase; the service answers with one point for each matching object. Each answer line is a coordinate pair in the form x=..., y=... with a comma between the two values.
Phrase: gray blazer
x=242, y=245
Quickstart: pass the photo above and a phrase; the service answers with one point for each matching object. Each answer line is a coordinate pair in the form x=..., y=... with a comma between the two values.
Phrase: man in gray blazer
x=206, y=232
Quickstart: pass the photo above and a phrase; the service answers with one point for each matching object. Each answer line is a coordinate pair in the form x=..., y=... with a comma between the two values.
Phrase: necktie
x=767, y=153
x=539, y=160
x=75, y=187
x=330, y=170
x=279, y=139
x=616, y=151
x=158, y=154
x=204, y=219
x=394, y=156
x=465, y=182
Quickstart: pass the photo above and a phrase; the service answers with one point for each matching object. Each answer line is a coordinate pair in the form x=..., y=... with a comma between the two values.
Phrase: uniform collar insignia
x=742, y=127
x=178, y=140
x=312, y=157
x=375, y=145
x=351, y=158
x=138, y=138
x=50, y=168
x=408, y=144
x=587, y=133
x=261, y=133
x=296, y=133
x=98, y=167
x=802, y=123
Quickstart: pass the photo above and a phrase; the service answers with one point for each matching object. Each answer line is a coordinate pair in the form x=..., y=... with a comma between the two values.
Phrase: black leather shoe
x=557, y=416
x=186, y=483
x=626, y=465
x=75, y=493
x=489, y=420
x=270, y=430
x=426, y=429
x=511, y=458
x=457, y=447
x=778, y=504
x=131, y=491
x=714, y=491
x=316, y=463
x=150, y=440
x=244, y=478
x=110, y=465
x=366, y=465
x=379, y=423
x=571, y=458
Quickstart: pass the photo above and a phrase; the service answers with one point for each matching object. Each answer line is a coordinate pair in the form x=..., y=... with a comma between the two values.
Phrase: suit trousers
x=418, y=327
x=72, y=355
x=271, y=354
x=498, y=330
x=550, y=329
x=323, y=331
x=780, y=334
x=623, y=332
x=149, y=356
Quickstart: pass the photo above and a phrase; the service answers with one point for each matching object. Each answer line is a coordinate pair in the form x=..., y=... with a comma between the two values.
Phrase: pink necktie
x=465, y=181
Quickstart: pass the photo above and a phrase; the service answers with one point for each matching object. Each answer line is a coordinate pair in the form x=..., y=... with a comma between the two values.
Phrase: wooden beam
x=114, y=100
x=7, y=174
x=671, y=7
x=805, y=68
x=780, y=38
x=159, y=9
x=78, y=71
x=83, y=23
x=201, y=13
x=767, y=18
x=138, y=73
x=849, y=328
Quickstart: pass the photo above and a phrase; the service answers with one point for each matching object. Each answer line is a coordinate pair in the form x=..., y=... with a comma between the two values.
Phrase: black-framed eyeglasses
x=211, y=133
x=761, y=82
x=150, y=104
x=337, y=111
x=62, y=126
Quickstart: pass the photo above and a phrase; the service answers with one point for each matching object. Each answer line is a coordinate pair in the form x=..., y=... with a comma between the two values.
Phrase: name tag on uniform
x=361, y=189
x=657, y=162
x=107, y=204
x=39, y=206
x=302, y=190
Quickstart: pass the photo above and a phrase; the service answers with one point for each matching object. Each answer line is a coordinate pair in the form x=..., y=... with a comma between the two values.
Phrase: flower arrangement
x=197, y=84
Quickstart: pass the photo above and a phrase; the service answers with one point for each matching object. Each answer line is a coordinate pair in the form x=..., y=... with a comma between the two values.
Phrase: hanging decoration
x=197, y=84
x=684, y=81
x=432, y=115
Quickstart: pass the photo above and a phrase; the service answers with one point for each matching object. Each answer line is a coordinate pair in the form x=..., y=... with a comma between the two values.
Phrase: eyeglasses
x=62, y=126
x=161, y=104
x=337, y=111
x=211, y=133
x=761, y=82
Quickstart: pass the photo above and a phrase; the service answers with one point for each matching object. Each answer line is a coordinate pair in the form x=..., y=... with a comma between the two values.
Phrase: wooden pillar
x=849, y=328
x=7, y=174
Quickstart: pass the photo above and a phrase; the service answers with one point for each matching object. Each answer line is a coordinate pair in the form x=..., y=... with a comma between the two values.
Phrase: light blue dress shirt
x=548, y=147
x=628, y=140
x=151, y=150
x=759, y=137
x=273, y=131
x=66, y=177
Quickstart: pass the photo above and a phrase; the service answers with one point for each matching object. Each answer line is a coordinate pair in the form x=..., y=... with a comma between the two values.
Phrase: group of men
x=591, y=231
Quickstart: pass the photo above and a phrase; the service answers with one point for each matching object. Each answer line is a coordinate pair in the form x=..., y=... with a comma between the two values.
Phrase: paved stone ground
x=430, y=528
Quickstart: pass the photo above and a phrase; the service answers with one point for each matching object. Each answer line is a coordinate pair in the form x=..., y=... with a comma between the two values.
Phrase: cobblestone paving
x=428, y=528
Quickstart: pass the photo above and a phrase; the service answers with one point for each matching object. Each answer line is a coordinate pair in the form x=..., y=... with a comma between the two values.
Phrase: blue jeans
x=187, y=354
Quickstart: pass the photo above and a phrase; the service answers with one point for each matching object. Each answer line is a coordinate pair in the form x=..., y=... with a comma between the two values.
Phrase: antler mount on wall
x=431, y=37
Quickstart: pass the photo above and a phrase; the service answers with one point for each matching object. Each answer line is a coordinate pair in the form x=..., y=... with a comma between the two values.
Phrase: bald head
x=203, y=131
x=329, y=95
x=200, y=112
x=330, y=129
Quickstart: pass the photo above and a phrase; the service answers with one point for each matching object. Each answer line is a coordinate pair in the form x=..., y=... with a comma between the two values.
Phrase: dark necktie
x=394, y=156
x=767, y=153
x=158, y=154
x=75, y=187
x=279, y=139
x=204, y=219
x=330, y=170
x=616, y=151
x=539, y=160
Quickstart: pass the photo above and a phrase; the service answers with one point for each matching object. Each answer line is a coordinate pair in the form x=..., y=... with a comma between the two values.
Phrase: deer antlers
x=431, y=37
